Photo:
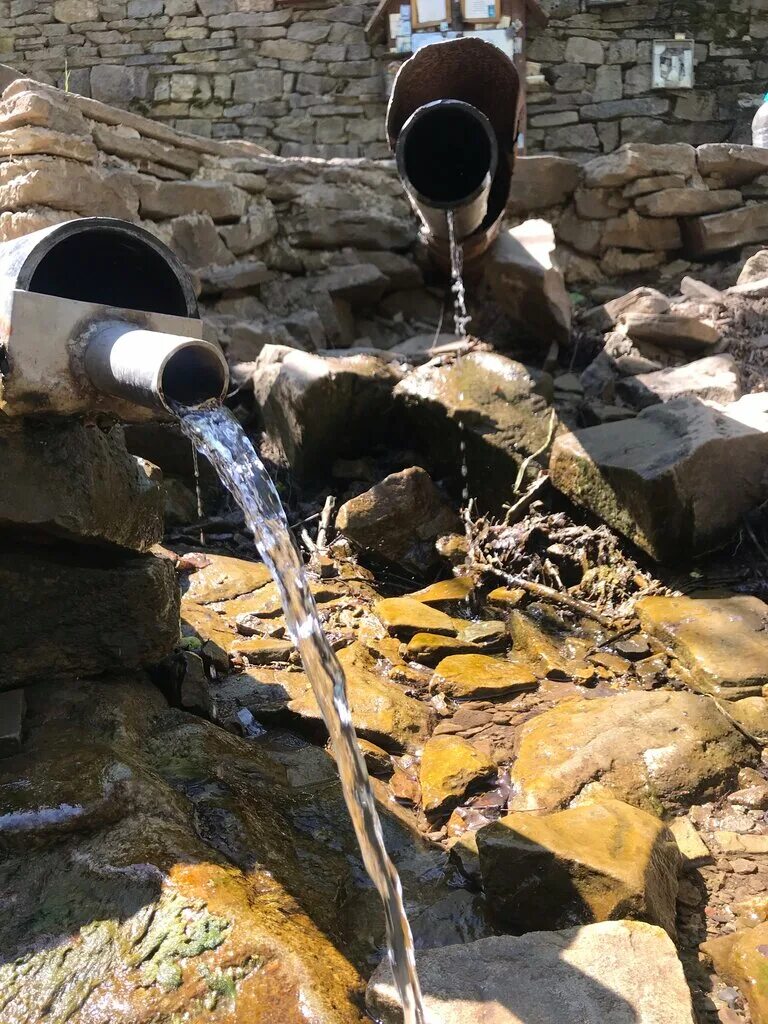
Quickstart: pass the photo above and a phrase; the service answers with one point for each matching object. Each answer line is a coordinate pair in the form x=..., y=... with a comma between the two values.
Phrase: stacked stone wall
x=297, y=79
x=302, y=79
x=591, y=74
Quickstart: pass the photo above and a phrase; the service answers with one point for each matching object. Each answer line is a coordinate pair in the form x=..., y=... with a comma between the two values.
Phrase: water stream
x=216, y=434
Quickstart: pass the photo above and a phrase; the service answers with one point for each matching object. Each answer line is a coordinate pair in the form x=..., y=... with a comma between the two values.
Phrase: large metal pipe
x=97, y=315
x=152, y=369
x=452, y=124
x=447, y=156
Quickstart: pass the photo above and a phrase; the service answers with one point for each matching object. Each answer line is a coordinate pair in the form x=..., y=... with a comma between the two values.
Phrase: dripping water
x=461, y=319
x=198, y=491
x=215, y=433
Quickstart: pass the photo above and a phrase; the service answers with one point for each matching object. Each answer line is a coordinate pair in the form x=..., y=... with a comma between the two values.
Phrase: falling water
x=216, y=434
x=460, y=318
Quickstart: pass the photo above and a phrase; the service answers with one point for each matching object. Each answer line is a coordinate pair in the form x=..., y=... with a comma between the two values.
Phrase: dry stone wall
x=302, y=79
x=592, y=68
x=298, y=79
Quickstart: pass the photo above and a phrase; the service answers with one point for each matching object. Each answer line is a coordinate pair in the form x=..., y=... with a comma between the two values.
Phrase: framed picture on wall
x=430, y=13
x=481, y=11
x=672, y=64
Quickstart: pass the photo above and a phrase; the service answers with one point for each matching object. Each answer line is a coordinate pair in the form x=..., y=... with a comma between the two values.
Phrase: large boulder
x=617, y=972
x=721, y=640
x=655, y=750
x=485, y=408
x=399, y=520
x=527, y=286
x=77, y=481
x=316, y=409
x=597, y=862
x=181, y=872
x=69, y=612
x=651, y=477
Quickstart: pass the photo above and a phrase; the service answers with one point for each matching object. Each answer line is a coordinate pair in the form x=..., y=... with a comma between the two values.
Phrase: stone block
x=611, y=972
x=581, y=50
x=257, y=86
x=74, y=11
x=638, y=160
x=651, y=478
x=597, y=862
x=631, y=231
x=68, y=612
x=161, y=200
x=64, y=185
x=687, y=202
x=77, y=481
x=540, y=182
x=119, y=85
x=41, y=110
x=734, y=165
x=719, y=232
x=647, y=106
x=515, y=420
x=576, y=136
x=608, y=84
x=711, y=379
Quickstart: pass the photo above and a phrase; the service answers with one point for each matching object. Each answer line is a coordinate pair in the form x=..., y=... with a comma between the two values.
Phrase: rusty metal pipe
x=477, y=78
x=447, y=156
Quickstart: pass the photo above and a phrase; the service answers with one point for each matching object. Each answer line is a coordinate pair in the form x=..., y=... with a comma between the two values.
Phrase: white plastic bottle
x=760, y=125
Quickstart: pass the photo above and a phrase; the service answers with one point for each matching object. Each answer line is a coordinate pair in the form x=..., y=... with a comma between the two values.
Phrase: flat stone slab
x=478, y=675
x=651, y=477
x=718, y=232
x=722, y=641
x=617, y=972
x=711, y=379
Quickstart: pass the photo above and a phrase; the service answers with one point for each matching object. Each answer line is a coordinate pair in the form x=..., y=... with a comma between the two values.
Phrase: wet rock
x=656, y=750
x=613, y=972
x=381, y=712
x=77, y=481
x=450, y=767
x=404, y=616
x=464, y=676
x=597, y=862
x=546, y=641
x=682, y=333
x=722, y=640
x=446, y=592
x=430, y=648
x=71, y=612
x=177, y=903
x=377, y=760
x=712, y=379
x=399, y=520
x=527, y=286
x=224, y=578
x=13, y=707
x=498, y=407
x=755, y=268
x=752, y=715
x=739, y=959
x=317, y=409
x=651, y=477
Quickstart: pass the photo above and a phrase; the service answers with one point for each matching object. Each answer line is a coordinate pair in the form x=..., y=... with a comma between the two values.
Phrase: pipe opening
x=446, y=151
x=191, y=376
x=111, y=268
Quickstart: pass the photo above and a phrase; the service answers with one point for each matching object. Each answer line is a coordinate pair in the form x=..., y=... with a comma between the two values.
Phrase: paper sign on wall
x=430, y=12
x=480, y=10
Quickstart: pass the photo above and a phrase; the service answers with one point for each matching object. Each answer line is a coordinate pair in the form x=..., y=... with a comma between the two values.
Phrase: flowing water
x=216, y=434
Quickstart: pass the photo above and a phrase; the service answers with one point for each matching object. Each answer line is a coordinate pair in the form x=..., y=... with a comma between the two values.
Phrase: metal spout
x=452, y=125
x=152, y=369
x=447, y=156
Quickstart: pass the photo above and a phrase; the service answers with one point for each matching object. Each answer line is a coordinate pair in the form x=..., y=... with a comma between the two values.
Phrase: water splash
x=216, y=434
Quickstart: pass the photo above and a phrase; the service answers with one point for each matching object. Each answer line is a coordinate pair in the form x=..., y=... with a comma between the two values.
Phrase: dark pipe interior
x=110, y=268
x=446, y=154
x=192, y=376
